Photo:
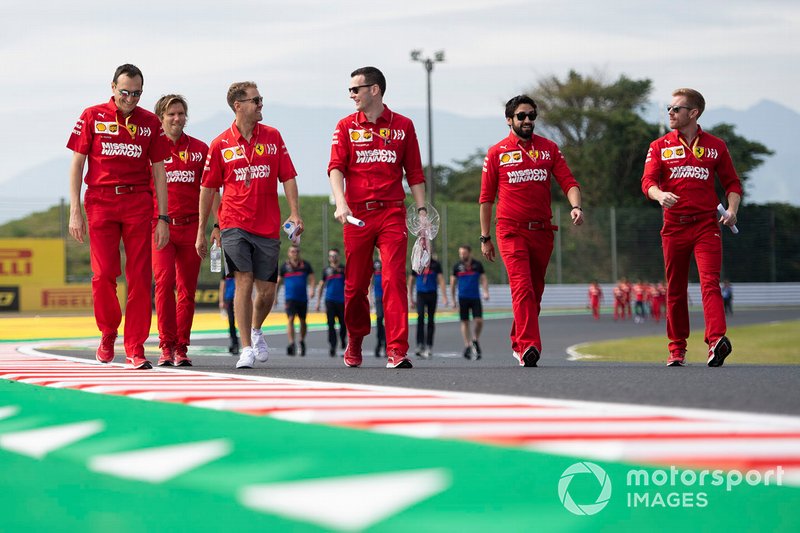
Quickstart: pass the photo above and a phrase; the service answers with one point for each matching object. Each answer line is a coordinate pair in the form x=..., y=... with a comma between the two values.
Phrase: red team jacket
x=230, y=159
x=184, y=169
x=520, y=171
x=372, y=156
x=688, y=171
x=119, y=150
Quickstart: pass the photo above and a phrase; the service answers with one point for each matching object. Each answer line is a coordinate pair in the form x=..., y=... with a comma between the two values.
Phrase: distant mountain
x=307, y=132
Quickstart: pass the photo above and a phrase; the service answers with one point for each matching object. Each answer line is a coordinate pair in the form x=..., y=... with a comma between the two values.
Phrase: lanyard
x=185, y=151
x=386, y=139
x=532, y=154
x=248, y=158
x=694, y=149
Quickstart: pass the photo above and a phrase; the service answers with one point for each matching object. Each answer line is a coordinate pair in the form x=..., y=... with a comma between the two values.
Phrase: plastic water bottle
x=289, y=228
x=216, y=258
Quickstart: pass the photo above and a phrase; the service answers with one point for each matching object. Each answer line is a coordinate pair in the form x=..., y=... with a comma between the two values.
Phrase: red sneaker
x=167, y=356
x=719, y=351
x=395, y=359
x=105, y=352
x=677, y=358
x=138, y=362
x=180, y=356
x=352, y=354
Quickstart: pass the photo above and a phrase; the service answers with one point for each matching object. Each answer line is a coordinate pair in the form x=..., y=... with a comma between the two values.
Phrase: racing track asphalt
x=737, y=386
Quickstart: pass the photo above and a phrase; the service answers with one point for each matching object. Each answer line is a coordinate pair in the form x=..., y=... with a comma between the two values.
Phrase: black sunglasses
x=135, y=94
x=256, y=100
x=354, y=90
x=676, y=108
x=521, y=116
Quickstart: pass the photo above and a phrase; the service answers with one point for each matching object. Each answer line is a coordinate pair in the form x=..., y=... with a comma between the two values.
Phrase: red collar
x=240, y=138
x=385, y=116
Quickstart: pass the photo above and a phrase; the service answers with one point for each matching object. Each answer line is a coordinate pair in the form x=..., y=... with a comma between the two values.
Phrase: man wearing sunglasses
x=517, y=173
x=679, y=174
x=248, y=160
x=370, y=151
x=121, y=141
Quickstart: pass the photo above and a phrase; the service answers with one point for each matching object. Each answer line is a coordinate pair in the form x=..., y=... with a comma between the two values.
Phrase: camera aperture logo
x=603, y=488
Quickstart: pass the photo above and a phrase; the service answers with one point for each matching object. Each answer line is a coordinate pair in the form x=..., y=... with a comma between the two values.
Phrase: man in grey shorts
x=247, y=160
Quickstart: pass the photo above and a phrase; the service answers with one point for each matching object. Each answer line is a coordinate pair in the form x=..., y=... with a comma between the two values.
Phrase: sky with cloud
x=58, y=57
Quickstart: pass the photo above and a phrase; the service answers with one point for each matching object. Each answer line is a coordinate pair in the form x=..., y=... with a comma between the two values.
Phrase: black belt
x=378, y=204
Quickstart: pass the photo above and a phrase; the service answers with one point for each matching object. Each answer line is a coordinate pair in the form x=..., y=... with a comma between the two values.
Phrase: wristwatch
x=165, y=218
x=216, y=226
x=423, y=208
x=485, y=238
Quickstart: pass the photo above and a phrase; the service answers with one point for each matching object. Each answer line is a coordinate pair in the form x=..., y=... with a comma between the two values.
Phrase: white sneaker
x=259, y=345
x=247, y=358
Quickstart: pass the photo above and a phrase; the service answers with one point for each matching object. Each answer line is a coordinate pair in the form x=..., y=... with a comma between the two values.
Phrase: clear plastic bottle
x=216, y=258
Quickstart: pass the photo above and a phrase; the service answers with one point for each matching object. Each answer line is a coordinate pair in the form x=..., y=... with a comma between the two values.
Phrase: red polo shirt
x=230, y=160
x=518, y=172
x=688, y=171
x=372, y=156
x=119, y=149
x=184, y=169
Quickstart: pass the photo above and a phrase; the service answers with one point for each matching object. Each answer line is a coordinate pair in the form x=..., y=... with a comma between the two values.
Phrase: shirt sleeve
x=727, y=173
x=286, y=170
x=412, y=160
x=652, y=169
x=212, y=172
x=340, y=149
x=562, y=173
x=159, y=148
x=489, y=178
x=81, y=138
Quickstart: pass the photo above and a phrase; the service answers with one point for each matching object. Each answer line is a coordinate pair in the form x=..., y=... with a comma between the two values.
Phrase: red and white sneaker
x=105, y=352
x=167, y=356
x=181, y=359
x=352, y=354
x=719, y=351
x=395, y=359
x=138, y=362
x=677, y=358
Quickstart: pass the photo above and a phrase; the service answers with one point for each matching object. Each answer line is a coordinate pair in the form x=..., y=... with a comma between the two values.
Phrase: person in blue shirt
x=296, y=275
x=426, y=285
x=333, y=284
x=377, y=301
x=227, y=290
x=469, y=277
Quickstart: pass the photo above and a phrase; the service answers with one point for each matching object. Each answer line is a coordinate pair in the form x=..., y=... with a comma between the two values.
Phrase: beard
x=522, y=131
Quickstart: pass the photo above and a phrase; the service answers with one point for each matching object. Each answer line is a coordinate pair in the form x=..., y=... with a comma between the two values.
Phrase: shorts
x=467, y=304
x=296, y=308
x=246, y=252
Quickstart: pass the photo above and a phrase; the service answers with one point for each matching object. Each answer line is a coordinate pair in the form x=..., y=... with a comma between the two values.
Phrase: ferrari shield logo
x=183, y=155
x=699, y=151
x=132, y=129
x=260, y=149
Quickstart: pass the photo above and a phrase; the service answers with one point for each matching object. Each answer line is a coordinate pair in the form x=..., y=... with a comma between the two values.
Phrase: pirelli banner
x=32, y=262
x=62, y=298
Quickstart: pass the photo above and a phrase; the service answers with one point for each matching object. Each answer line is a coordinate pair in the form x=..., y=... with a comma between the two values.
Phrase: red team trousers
x=525, y=253
x=112, y=217
x=386, y=229
x=176, y=267
x=680, y=240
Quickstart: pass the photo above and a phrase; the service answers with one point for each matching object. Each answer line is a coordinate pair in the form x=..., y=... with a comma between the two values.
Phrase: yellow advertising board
x=62, y=298
x=32, y=262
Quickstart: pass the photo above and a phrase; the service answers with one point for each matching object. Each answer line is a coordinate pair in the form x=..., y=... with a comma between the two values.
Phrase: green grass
x=764, y=344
